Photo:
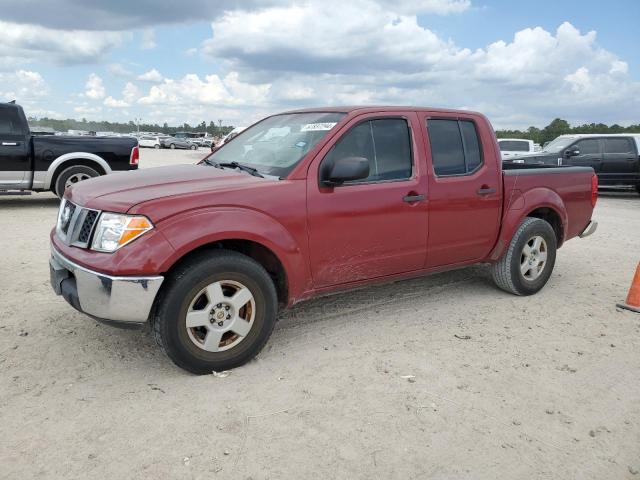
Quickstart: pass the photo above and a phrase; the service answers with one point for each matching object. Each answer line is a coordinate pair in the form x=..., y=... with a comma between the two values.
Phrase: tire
x=172, y=146
x=507, y=272
x=638, y=188
x=193, y=147
x=79, y=172
x=156, y=146
x=188, y=286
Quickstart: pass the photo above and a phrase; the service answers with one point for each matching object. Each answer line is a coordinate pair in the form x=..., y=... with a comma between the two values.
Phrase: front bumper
x=119, y=299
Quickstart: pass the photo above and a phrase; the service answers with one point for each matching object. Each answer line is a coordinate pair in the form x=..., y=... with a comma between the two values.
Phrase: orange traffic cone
x=633, y=299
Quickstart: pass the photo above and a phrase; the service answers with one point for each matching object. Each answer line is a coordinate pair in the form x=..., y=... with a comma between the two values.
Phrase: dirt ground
x=441, y=377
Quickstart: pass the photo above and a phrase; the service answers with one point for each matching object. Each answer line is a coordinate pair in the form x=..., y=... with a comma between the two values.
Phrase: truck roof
x=587, y=135
x=380, y=108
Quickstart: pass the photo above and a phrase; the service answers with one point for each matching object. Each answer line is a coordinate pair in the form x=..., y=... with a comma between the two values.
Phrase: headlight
x=115, y=230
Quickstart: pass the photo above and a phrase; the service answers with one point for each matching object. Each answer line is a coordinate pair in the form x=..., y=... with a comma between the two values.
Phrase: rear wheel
x=193, y=147
x=172, y=146
x=156, y=146
x=528, y=262
x=71, y=176
x=217, y=312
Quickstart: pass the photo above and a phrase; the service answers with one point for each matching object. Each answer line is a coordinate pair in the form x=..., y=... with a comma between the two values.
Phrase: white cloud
x=148, y=39
x=212, y=90
x=119, y=70
x=130, y=93
x=85, y=109
x=152, y=75
x=22, y=85
x=23, y=43
x=94, y=87
x=113, y=103
x=386, y=57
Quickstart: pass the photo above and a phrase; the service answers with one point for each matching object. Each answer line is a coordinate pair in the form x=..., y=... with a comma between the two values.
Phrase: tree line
x=561, y=127
x=212, y=128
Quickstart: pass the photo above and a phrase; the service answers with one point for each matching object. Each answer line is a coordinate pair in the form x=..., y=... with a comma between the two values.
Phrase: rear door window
x=618, y=145
x=455, y=147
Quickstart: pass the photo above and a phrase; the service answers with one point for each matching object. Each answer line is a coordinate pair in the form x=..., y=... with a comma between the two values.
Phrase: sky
x=520, y=63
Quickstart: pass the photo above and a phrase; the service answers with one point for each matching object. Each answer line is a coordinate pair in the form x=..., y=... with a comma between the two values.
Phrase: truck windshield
x=275, y=145
x=558, y=144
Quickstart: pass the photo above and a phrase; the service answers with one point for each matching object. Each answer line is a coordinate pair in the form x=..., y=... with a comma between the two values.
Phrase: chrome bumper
x=593, y=225
x=120, y=299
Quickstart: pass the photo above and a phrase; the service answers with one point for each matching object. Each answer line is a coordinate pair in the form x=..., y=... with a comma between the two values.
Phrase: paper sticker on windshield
x=315, y=127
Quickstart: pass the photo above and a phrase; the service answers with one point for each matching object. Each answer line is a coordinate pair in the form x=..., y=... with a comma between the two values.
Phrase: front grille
x=87, y=226
x=76, y=224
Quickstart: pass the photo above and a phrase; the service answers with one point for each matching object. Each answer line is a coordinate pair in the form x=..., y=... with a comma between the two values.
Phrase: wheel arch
x=251, y=248
x=543, y=203
x=71, y=159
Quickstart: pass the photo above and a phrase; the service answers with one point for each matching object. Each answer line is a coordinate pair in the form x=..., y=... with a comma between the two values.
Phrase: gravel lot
x=439, y=377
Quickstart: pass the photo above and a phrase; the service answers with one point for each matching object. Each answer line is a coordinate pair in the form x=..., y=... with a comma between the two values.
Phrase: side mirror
x=345, y=170
x=572, y=152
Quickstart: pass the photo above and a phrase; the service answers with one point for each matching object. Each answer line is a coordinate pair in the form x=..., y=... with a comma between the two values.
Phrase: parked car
x=173, y=142
x=42, y=163
x=512, y=147
x=150, y=141
x=614, y=157
x=302, y=204
x=232, y=134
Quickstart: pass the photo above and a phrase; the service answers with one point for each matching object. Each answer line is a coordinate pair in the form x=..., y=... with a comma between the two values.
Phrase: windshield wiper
x=210, y=162
x=250, y=170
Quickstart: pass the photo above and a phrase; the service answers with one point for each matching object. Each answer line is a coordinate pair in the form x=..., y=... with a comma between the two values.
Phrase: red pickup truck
x=301, y=204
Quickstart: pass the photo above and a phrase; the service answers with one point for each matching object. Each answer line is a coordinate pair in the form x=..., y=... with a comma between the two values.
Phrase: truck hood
x=119, y=192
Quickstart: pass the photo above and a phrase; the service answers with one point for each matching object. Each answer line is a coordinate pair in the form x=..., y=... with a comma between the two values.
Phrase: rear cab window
x=513, y=146
x=10, y=121
x=455, y=147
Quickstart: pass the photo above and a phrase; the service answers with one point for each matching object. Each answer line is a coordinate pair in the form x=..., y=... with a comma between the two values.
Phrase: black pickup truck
x=42, y=163
x=614, y=157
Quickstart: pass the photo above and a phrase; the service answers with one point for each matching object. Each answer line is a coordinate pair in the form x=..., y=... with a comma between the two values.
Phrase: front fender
x=520, y=206
x=191, y=230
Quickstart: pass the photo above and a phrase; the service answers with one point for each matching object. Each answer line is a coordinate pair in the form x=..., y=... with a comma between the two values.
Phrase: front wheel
x=156, y=146
x=193, y=147
x=172, y=146
x=216, y=312
x=528, y=262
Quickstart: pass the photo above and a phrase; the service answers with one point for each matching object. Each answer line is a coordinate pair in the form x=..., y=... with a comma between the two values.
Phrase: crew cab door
x=620, y=157
x=15, y=169
x=465, y=189
x=376, y=226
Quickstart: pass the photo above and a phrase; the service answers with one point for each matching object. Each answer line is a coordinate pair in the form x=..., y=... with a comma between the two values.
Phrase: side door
x=376, y=226
x=15, y=168
x=620, y=158
x=590, y=154
x=465, y=189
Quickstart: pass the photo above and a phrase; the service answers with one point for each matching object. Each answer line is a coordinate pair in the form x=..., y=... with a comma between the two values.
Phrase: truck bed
x=529, y=186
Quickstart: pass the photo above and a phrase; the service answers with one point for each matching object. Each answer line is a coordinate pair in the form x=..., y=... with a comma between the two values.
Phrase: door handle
x=10, y=144
x=485, y=190
x=412, y=198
